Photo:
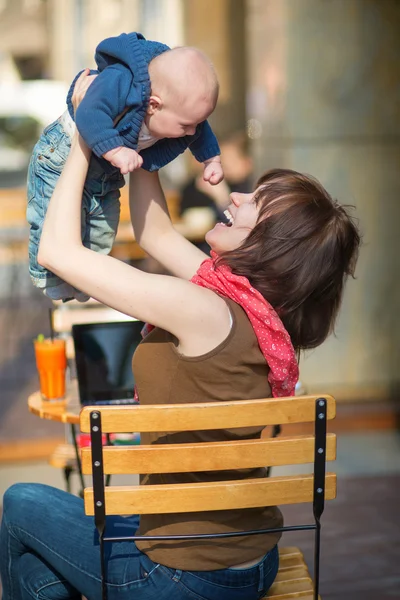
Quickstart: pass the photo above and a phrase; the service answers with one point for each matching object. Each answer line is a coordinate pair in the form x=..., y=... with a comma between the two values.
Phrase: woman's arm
x=153, y=228
x=197, y=316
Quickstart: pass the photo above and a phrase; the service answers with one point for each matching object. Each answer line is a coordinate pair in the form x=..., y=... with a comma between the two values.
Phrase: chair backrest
x=181, y=458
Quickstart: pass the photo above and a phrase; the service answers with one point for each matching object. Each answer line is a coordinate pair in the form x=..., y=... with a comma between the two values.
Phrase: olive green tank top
x=234, y=370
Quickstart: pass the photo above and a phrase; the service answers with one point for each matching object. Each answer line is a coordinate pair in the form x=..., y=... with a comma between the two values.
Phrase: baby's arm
x=205, y=149
x=213, y=172
x=125, y=159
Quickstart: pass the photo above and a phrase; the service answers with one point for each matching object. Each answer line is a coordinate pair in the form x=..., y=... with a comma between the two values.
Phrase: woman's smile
x=241, y=218
x=229, y=216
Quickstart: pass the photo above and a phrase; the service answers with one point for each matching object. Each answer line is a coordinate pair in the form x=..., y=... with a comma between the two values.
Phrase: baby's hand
x=125, y=159
x=213, y=172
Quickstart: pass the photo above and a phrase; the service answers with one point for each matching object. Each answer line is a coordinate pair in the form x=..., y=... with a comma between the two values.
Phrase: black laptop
x=103, y=356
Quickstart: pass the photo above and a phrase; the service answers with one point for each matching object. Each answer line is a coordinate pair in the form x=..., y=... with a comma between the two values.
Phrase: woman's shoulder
x=244, y=330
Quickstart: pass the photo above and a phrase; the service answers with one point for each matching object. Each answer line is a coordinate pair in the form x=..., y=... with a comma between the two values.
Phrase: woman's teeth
x=229, y=217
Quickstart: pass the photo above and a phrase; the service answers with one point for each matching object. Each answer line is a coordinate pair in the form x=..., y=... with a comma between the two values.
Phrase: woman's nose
x=237, y=198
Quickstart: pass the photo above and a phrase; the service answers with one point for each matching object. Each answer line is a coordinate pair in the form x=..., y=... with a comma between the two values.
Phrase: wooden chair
x=293, y=580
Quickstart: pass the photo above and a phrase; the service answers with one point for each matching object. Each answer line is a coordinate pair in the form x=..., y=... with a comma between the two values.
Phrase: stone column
x=61, y=26
x=324, y=98
x=217, y=27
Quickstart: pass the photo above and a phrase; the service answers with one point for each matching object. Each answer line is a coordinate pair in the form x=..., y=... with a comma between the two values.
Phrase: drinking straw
x=51, y=324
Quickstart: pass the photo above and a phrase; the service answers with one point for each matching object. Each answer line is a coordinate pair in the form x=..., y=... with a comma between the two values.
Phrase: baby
x=147, y=104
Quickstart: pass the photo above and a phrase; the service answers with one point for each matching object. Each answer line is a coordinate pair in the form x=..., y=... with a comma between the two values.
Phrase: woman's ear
x=155, y=104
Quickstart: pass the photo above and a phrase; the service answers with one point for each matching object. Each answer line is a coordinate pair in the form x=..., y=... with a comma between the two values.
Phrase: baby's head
x=184, y=92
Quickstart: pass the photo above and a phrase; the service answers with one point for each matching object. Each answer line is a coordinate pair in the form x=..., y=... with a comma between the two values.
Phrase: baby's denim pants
x=100, y=203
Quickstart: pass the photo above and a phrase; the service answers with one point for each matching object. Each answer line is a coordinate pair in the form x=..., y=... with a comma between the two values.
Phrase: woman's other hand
x=82, y=84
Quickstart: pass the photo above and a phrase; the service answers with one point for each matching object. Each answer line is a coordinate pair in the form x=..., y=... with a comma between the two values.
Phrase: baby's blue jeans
x=100, y=204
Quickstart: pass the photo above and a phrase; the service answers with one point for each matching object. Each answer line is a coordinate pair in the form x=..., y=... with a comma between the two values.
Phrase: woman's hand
x=82, y=84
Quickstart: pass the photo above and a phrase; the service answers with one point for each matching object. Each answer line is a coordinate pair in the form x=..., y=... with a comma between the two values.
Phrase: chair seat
x=293, y=579
x=63, y=456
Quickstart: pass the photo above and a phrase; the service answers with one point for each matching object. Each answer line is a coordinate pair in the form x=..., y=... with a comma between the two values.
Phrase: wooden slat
x=294, y=562
x=292, y=573
x=288, y=573
x=303, y=584
x=296, y=595
x=209, y=415
x=289, y=551
x=290, y=558
x=187, y=458
x=250, y=493
x=291, y=561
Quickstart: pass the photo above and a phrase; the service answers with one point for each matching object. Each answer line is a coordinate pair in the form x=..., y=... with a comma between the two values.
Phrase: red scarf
x=273, y=339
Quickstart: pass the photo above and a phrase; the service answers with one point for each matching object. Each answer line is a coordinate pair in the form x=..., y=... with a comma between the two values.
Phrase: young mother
x=286, y=251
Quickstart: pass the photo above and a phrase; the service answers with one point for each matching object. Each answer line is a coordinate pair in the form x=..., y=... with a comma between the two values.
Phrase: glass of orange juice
x=51, y=362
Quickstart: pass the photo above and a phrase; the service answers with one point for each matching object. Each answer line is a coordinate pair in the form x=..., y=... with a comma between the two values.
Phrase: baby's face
x=174, y=121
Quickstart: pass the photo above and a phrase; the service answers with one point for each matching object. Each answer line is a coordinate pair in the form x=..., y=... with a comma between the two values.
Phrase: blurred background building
x=312, y=85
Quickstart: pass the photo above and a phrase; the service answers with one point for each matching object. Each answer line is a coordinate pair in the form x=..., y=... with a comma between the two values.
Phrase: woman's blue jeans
x=49, y=551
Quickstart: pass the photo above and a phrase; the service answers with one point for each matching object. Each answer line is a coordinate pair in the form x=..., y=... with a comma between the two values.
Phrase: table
x=64, y=412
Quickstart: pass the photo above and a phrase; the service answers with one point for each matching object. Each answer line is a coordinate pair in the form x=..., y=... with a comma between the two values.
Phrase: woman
x=288, y=245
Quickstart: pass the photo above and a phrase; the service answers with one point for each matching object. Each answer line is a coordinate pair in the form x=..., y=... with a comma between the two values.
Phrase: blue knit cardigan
x=123, y=81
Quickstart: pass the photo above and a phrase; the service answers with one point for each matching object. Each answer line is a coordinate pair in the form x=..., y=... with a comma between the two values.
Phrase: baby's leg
x=101, y=206
x=47, y=162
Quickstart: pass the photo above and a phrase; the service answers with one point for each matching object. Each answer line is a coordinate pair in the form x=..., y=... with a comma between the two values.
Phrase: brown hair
x=299, y=254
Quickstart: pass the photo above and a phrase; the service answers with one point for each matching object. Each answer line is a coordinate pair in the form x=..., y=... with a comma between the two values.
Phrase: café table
x=66, y=412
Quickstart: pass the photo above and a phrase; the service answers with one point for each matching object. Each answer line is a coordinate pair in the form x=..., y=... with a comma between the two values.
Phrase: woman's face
x=242, y=215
